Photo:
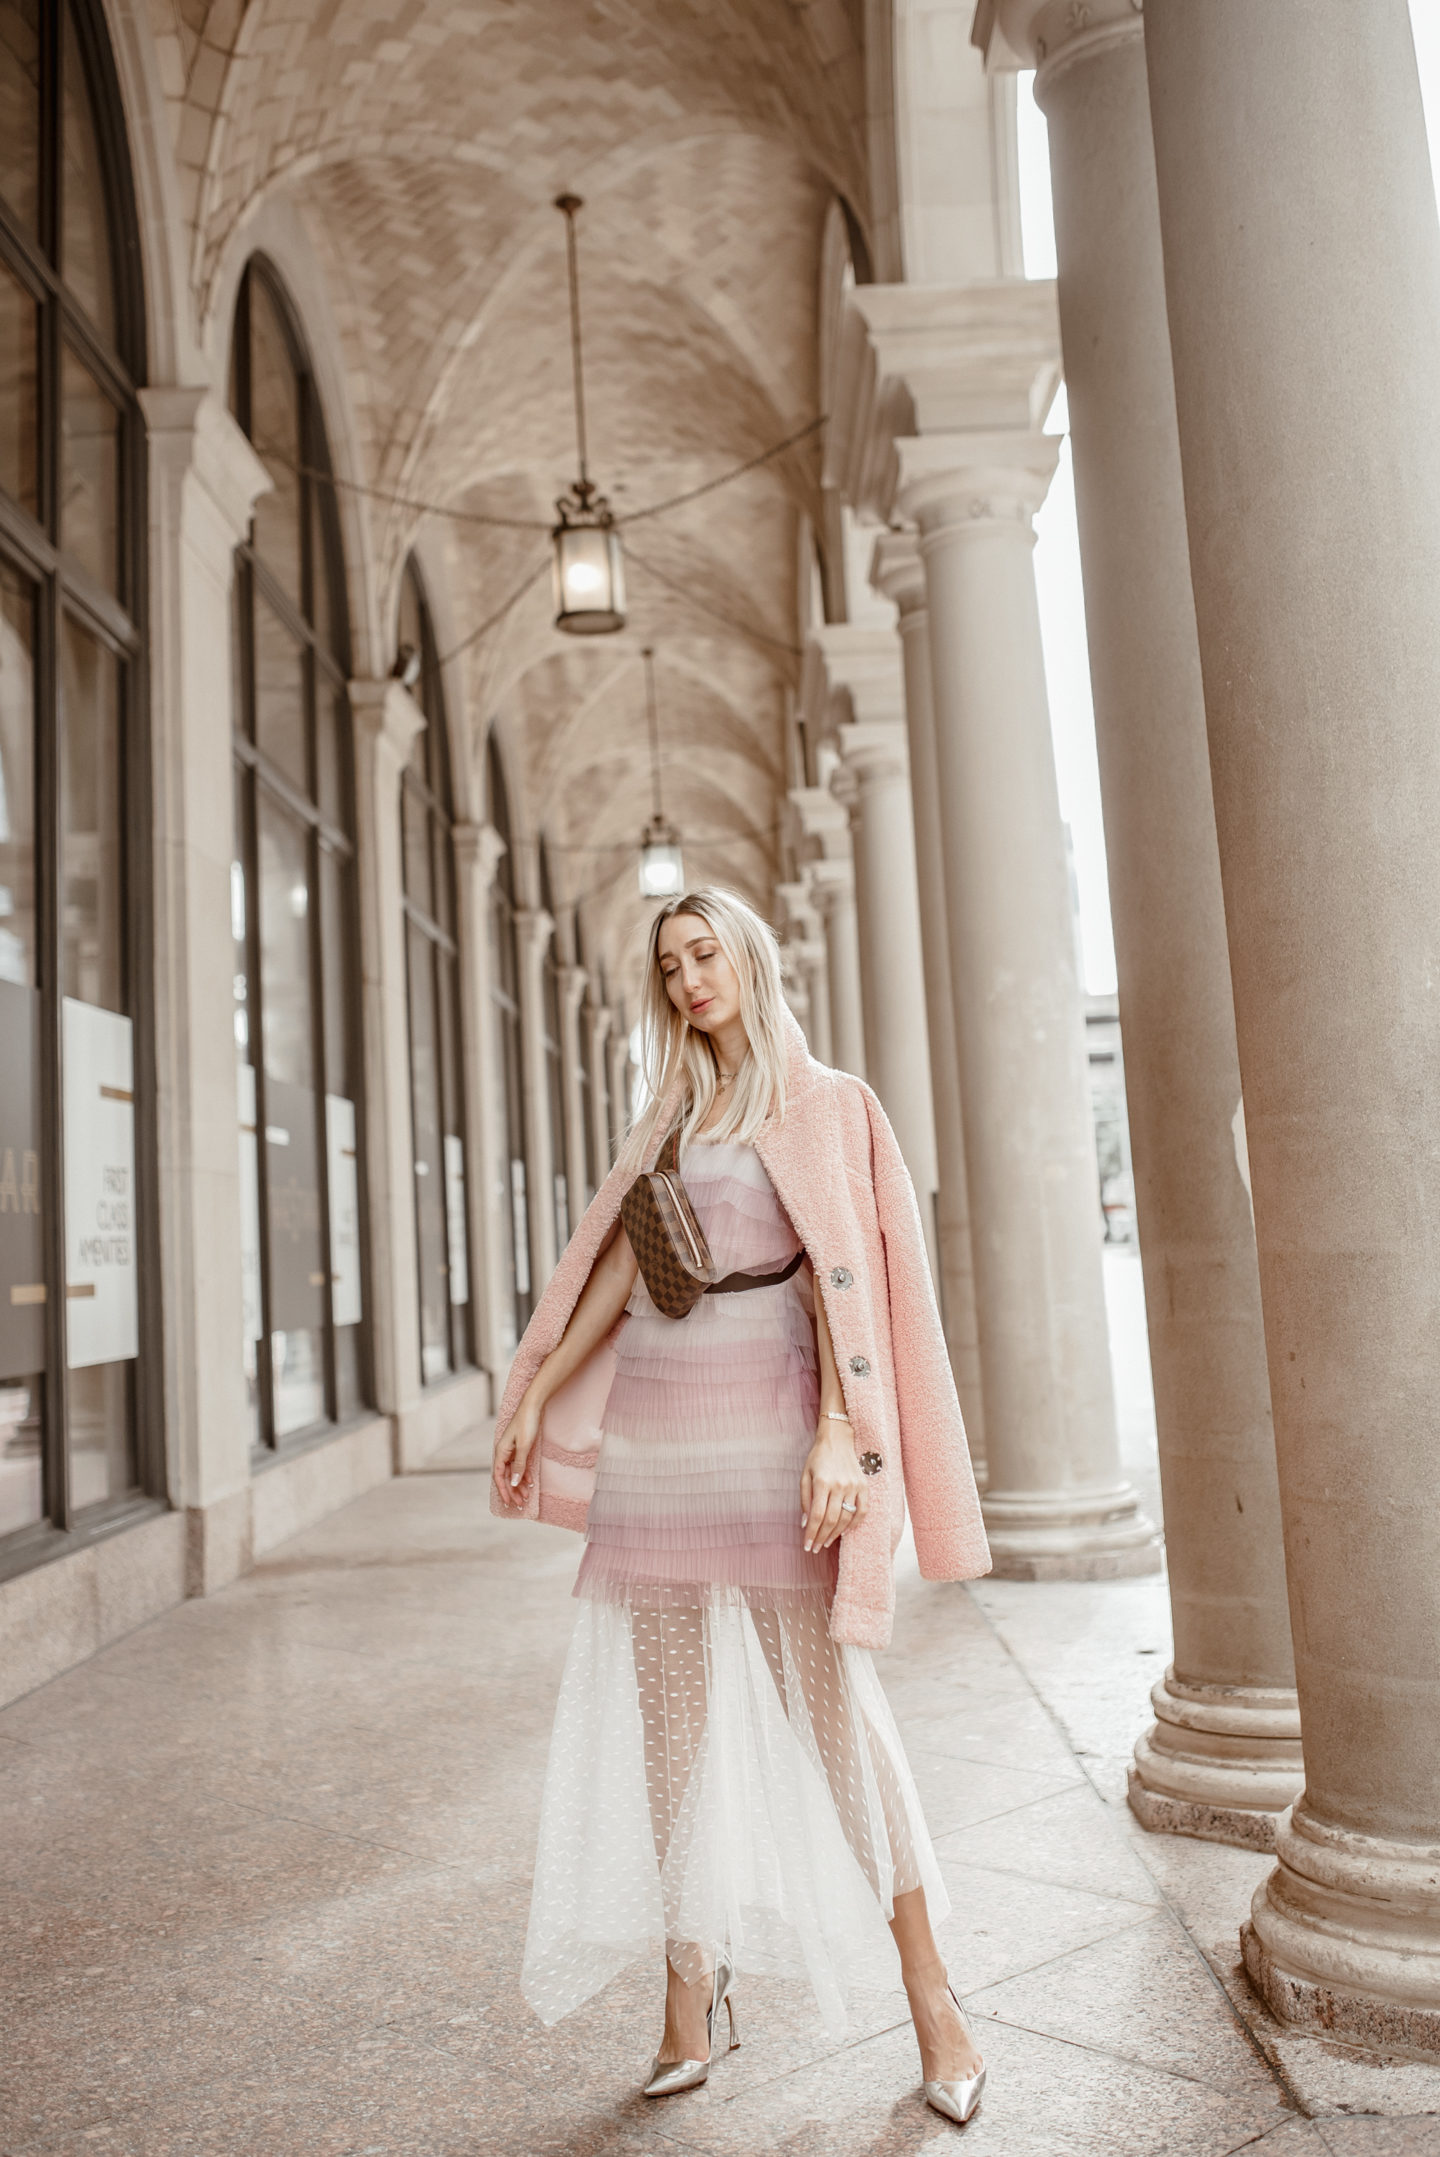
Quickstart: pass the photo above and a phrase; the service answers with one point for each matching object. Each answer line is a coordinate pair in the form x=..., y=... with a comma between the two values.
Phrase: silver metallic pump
x=669, y=2077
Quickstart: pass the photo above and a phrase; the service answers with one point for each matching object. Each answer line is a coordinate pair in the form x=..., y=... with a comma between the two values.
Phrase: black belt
x=734, y=1282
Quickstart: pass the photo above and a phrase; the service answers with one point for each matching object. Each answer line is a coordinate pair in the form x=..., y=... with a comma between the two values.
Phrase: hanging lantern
x=662, y=869
x=589, y=567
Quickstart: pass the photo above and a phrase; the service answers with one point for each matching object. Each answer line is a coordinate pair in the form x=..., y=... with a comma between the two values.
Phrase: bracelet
x=833, y=1415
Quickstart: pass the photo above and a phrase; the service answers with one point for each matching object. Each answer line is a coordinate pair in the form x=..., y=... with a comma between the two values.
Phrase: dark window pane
x=280, y=696
x=333, y=892
x=22, y=1473
x=92, y=911
x=18, y=415
x=89, y=446
x=299, y=1296
x=331, y=712
x=429, y=1160
x=17, y=781
x=22, y=1262
x=322, y=563
x=20, y=108
x=416, y=823
x=85, y=234
x=275, y=431
x=287, y=998
x=443, y=859
x=102, y=1434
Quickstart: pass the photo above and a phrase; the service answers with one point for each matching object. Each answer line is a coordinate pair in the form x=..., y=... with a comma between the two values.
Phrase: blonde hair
x=672, y=1049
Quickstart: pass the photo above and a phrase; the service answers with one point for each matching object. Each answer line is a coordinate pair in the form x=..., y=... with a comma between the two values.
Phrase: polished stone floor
x=264, y=1868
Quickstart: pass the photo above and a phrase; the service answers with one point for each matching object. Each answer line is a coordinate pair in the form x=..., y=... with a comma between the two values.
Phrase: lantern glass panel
x=662, y=872
x=589, y=580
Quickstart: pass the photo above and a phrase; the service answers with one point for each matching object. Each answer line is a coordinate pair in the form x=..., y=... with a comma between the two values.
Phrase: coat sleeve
x=939, y=1481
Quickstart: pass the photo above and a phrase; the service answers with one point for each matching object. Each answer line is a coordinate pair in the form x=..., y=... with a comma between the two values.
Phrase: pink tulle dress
x=721, y=1772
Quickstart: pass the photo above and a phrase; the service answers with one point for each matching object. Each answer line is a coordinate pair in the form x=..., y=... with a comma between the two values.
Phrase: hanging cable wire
x=272, y=453
x=683, y=591
x=492, y=620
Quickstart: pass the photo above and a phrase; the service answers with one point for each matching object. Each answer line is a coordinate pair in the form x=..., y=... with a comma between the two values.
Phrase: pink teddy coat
x=838, y=1173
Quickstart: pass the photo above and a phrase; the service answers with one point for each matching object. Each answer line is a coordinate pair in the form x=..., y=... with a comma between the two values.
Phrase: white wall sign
x=102, y=1306
x=455, y=1218
x=344, y=1169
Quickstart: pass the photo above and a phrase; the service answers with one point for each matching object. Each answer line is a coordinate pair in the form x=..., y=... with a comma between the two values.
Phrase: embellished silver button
x=841, y=1277
x=859, y=1368
x=870, y=1464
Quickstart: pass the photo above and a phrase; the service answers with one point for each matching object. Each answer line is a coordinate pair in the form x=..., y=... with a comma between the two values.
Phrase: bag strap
x=672, y=1148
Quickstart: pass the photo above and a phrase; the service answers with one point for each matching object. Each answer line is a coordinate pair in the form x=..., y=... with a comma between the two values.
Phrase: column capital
x=386, y=712
x=799, y=908
x=573, y=982
x=898, y=571
x=1049, y=34
x=534, y=928
x=822, y=818
x=936, y=359
x=831, y=881
x=865, y=663
x=602, y=1018
x=958, y=479
x=479, y=845
x=873, y=749
x=189, y=432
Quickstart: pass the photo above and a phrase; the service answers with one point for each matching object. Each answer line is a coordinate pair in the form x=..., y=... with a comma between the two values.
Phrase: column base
x=1069, y=1535
x=1344, y=1938
x=1220, y=1762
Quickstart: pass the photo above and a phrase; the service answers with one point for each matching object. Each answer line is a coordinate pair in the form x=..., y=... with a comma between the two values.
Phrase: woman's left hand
x=832, y=1490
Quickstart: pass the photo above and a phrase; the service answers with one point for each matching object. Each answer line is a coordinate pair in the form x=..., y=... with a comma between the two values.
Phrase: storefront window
x=79, y=1418
x=433, y=975
x=292, y=907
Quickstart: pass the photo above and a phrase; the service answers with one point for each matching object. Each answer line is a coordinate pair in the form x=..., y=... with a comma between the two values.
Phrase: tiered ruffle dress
x=721, y=1772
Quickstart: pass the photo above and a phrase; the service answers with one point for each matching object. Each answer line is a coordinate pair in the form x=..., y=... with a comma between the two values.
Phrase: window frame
x=325, y=657
x=118, y=621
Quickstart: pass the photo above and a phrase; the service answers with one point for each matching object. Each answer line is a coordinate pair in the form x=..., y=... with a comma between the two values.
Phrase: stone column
x=533, y=931
x=204, y=481
x=618, y=1049
x=572, y=989
x=478, y=852
x=387, y=719
x=873, y=782
x=1302, y=265
x=1223, y=1757
x=810, y=956
x=1056, y=1503
x=899, y=573
x=598, y=1020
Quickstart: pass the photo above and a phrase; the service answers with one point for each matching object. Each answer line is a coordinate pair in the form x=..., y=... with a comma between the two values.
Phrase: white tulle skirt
x=722, y=1774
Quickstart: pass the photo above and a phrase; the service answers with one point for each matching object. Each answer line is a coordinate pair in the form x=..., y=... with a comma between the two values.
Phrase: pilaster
x=479, y=849
x=204, y=480
x=534, y=928
x=387, y=720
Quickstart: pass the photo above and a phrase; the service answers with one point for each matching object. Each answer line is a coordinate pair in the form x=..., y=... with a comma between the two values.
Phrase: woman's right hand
x=510, y=1470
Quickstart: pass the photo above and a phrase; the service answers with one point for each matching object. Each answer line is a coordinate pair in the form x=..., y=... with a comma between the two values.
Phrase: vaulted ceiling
x=421, y=144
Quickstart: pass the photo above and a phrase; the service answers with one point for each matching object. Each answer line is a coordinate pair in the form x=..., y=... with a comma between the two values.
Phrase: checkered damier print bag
x=668, y=1242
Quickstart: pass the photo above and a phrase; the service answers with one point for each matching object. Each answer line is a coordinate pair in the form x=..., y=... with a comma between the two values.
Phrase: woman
x=725, y=1773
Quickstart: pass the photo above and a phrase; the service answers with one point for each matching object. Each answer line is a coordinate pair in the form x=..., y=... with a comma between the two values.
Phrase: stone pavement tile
x=1209, y=1884
x=1144, y=1995
x=1068, y=1838
x=1091, y=1649
x=1330, y=2079
x=957, y=1793
x=1006, y=1729
x=1414, y=2137
x=1001, y=1925
x=1044, y=2099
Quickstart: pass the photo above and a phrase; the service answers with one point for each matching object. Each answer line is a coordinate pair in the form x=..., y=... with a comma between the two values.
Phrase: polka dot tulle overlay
x=721, y=1772
x=722, y=1775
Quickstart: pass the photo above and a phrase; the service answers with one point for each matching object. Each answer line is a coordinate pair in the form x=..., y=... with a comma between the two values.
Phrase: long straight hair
x=671, y=1048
